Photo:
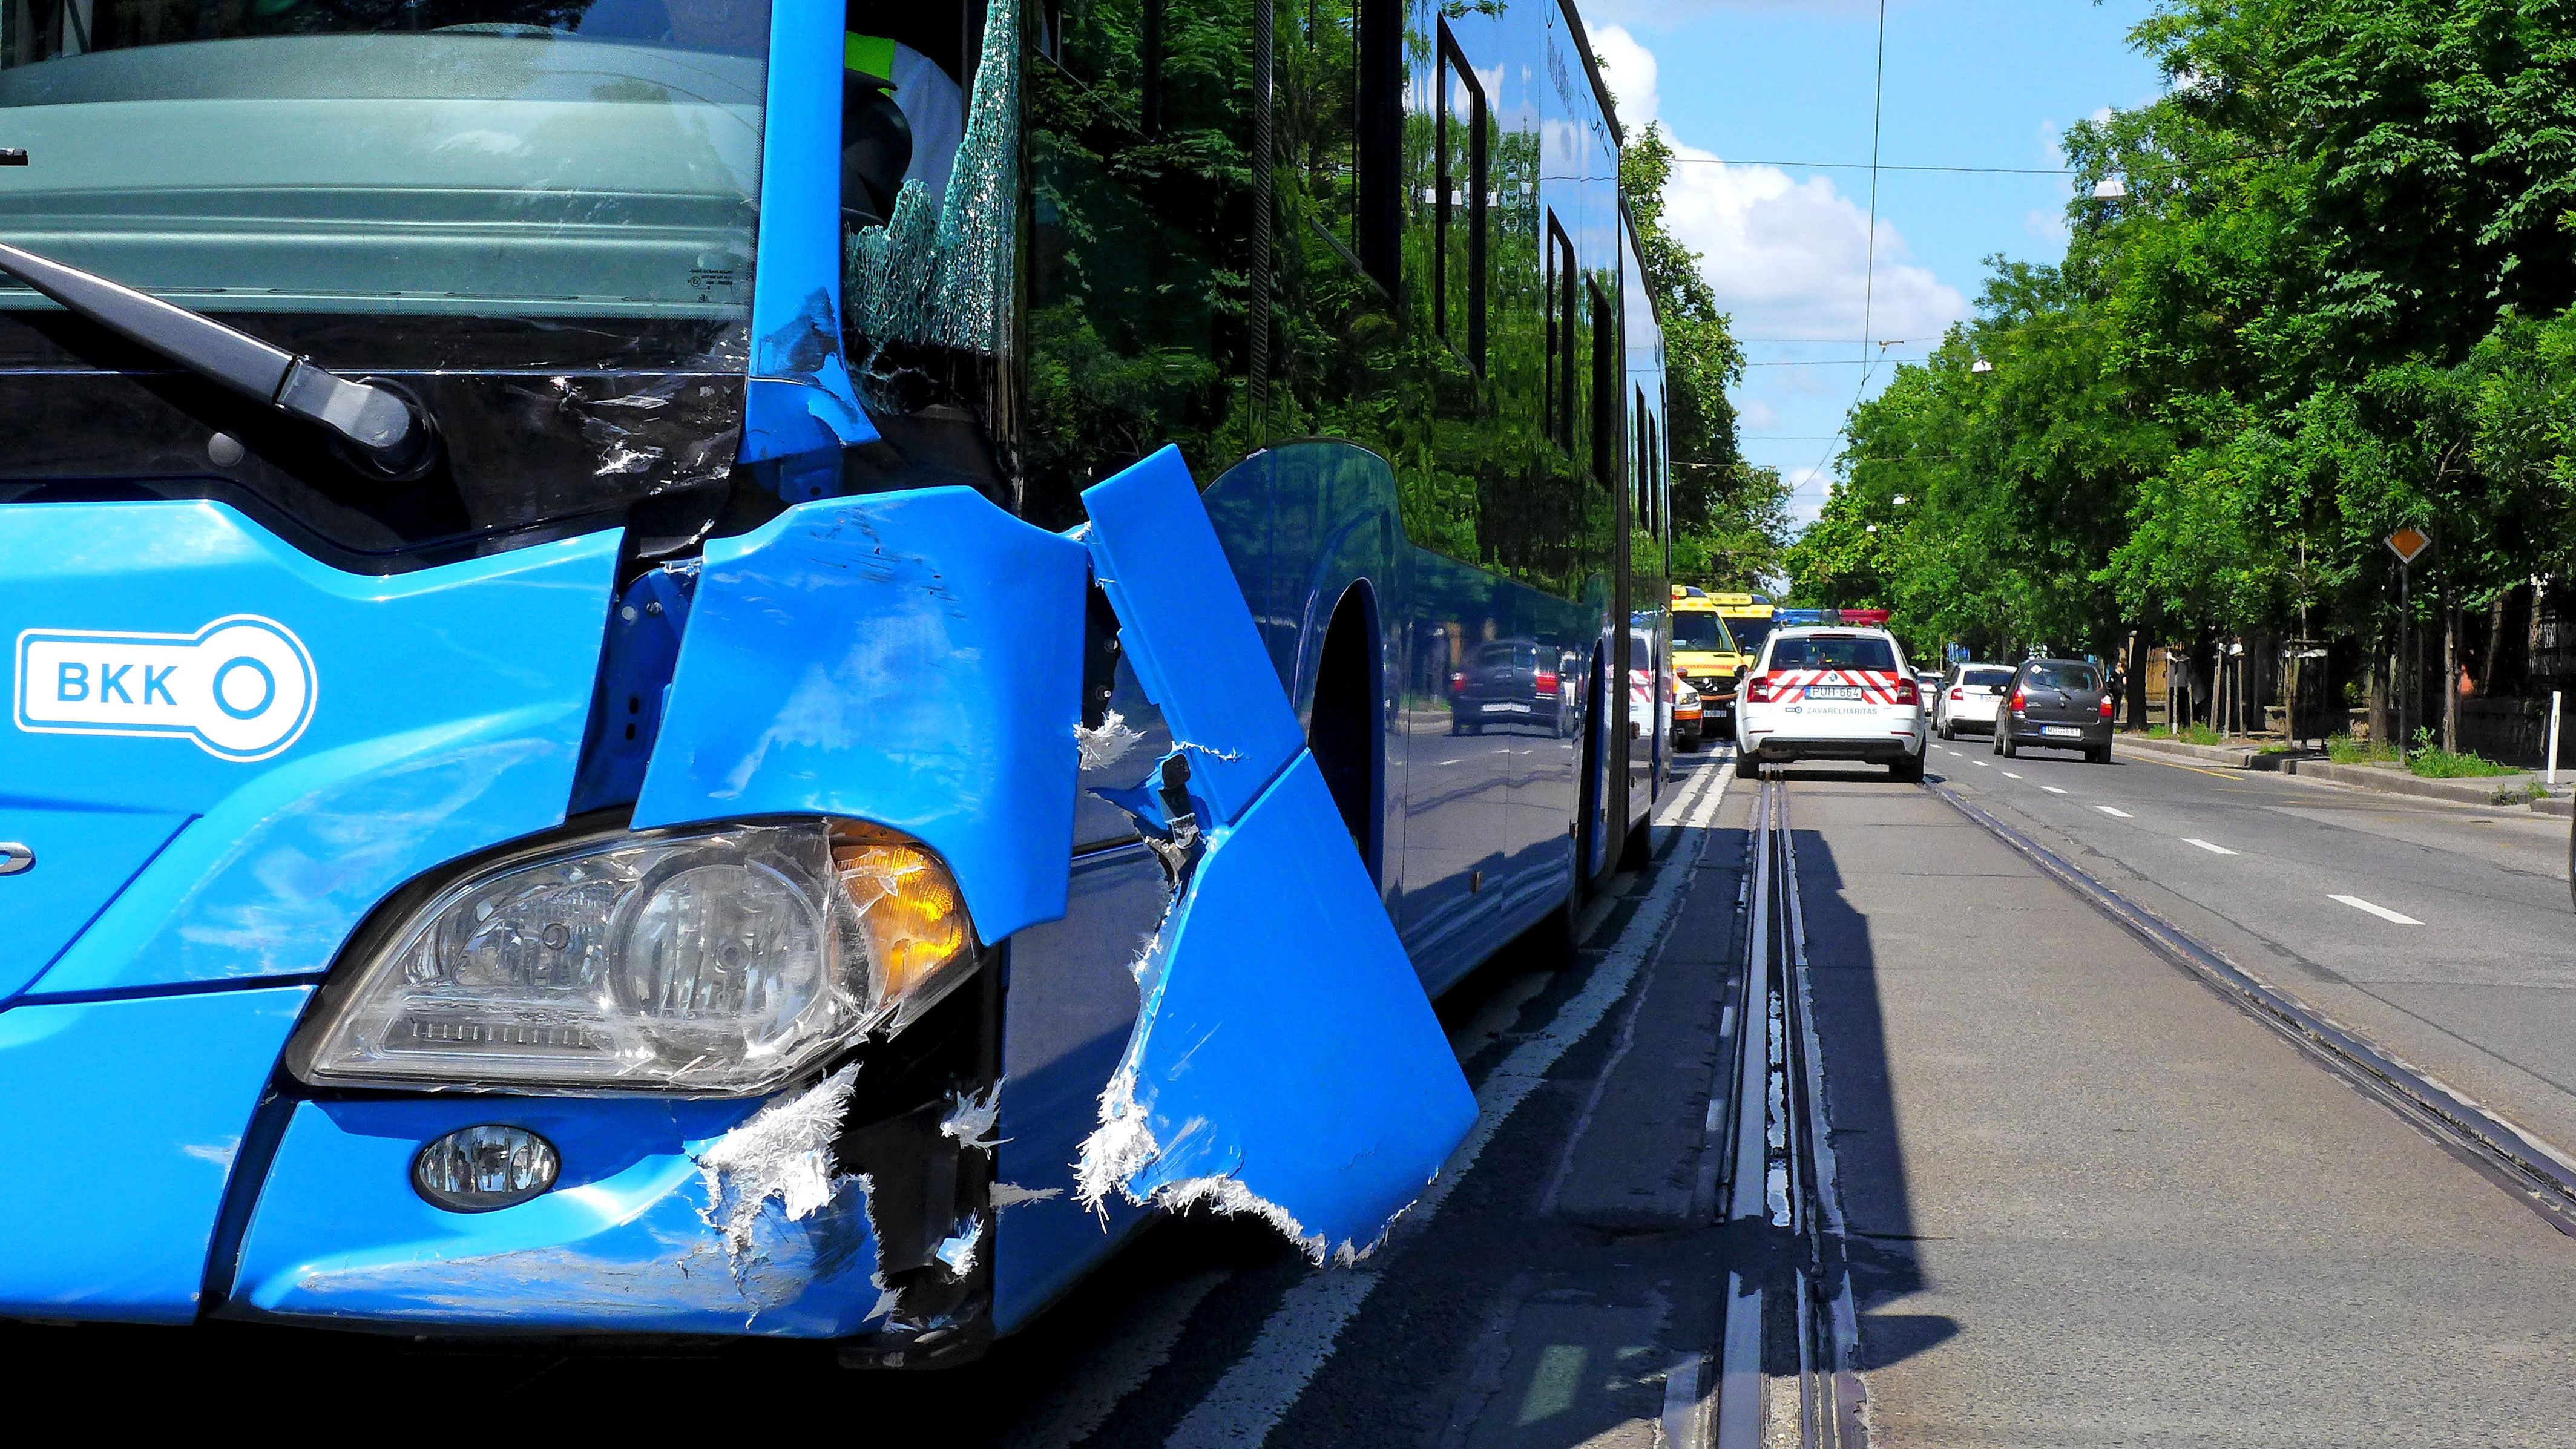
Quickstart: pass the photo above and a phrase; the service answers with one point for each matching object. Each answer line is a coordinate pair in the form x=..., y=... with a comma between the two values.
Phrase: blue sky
x=1968, y=83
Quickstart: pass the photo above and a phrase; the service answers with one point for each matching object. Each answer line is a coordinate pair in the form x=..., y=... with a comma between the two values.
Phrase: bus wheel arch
x=1344, y=728
x=1592, y=789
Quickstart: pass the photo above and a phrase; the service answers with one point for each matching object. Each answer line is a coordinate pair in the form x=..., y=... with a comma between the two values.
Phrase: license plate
x=1833, y=691
x=2060, y=730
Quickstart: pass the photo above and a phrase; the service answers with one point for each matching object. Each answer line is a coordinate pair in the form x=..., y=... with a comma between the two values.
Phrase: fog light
x=477, y=1169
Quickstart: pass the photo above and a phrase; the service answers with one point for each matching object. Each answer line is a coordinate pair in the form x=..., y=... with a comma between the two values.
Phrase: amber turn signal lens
x=909, y=909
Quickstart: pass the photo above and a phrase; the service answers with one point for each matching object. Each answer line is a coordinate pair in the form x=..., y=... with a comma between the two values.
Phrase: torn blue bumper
x=630, y=1240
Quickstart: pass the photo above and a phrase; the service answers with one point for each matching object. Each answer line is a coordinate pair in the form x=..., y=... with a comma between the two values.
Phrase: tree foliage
x=2335, y=298
x=1730, y=519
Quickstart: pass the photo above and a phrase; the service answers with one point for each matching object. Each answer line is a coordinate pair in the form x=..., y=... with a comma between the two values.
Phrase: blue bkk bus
x=759, y=666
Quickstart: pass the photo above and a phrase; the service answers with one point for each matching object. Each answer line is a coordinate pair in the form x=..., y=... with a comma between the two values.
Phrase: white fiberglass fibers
x=972, y=1119
x=783, y=1152
x=1119, y=1148
x=1105, y=744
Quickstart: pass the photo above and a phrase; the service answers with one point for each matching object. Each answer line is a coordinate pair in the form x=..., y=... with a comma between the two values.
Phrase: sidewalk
x=2486, y=791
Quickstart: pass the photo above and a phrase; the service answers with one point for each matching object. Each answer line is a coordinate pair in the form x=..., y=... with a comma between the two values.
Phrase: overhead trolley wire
x=1869, y=272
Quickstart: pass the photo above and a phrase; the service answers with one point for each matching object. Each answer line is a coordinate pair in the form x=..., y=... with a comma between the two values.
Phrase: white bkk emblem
x=241, y=687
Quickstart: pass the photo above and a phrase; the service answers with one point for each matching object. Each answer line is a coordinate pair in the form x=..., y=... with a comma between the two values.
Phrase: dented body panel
x=912, y=660
x=1312, y=1087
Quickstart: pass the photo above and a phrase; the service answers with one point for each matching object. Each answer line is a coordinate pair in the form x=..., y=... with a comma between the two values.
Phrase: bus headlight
x=717, y=961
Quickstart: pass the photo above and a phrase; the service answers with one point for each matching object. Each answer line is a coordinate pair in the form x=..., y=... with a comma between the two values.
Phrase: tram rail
x=1788, y=1364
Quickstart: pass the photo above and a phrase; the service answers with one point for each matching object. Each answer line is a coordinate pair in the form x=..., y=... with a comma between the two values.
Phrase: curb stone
x=2481, y=791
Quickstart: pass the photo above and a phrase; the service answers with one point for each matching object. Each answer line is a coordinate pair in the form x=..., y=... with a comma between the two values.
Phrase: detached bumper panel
x=124, y=1118
x=627, y=1240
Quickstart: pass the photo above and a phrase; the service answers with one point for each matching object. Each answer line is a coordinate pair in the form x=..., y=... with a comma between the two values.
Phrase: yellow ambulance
x=1708, y=652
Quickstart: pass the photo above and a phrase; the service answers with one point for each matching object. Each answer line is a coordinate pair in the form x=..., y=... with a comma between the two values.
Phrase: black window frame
x=1454, y=70
x=1557, y=408
x=1608, y=437
x=1377, y=134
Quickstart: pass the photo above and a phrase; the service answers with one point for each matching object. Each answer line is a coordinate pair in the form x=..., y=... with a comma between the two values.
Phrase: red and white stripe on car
x=1788, y=686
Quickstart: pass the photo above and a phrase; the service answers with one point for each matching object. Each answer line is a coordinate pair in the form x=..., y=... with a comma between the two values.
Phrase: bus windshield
x=1705, y=633
x=518, y=158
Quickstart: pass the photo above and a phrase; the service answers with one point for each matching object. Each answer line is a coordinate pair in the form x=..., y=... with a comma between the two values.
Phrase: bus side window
x=1141, y=208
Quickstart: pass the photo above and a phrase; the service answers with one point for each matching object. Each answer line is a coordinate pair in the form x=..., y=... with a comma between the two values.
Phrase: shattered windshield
x=509, y=157
x=929, y=196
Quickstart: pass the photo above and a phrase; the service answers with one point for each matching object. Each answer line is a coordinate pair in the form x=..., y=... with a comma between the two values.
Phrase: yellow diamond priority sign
x=2407, y=542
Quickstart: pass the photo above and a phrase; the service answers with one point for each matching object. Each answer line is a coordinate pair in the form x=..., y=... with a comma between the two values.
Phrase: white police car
x=1830, y=694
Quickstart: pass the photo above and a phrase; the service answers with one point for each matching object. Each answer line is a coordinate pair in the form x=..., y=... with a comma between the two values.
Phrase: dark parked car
x=1509, y=682
x=2057, y=704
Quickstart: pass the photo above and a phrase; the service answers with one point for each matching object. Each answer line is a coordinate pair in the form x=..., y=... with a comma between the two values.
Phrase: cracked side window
x=930, y=199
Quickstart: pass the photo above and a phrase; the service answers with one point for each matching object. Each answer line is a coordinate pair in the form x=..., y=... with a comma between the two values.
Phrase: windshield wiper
x=378, y=422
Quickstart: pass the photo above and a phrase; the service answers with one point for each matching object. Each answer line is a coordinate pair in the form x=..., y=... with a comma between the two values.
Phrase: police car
x=1831, y=694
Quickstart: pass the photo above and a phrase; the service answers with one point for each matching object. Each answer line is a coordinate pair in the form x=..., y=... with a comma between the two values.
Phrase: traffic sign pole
x=2408, y=543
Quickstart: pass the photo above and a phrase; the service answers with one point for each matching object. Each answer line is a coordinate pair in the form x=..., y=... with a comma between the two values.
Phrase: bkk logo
x=241, y=687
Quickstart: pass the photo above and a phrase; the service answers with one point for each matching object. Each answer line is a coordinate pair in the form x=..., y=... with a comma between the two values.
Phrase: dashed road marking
x=2052, y=789
x=2382, y=912
x=2009, y=775
x=2205, y=845
x=1980, y=764
x=2109, y=810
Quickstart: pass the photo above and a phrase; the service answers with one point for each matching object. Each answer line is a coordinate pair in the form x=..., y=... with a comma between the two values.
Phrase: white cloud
x=2047, y=224
x=1756, y=416
x=1791, y=258
x=1630, y=70
x=1808, y=488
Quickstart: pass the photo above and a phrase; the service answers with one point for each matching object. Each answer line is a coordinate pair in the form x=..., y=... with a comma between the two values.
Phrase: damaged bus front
x=547, y=755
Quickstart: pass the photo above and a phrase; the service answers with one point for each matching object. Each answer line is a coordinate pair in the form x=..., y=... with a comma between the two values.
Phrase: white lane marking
x=2108, y=810
x=1980, y=764
x=2205, y=845
x=2382, y=912
x=2009, y=775
x=1252, y=1397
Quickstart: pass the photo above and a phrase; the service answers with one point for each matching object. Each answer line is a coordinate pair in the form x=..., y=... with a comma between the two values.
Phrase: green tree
x=1730, y=518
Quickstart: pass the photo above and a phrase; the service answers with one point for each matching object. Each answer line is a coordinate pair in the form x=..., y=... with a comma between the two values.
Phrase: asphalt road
x=2441, y=931
x=2096, y=1203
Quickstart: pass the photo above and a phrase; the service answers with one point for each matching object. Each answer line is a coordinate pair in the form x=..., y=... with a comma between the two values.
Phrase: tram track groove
x=2528, y=1170
x=1790, y=1315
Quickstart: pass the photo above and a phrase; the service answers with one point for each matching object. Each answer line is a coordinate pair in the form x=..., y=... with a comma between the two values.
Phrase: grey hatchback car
x=2057, y=704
